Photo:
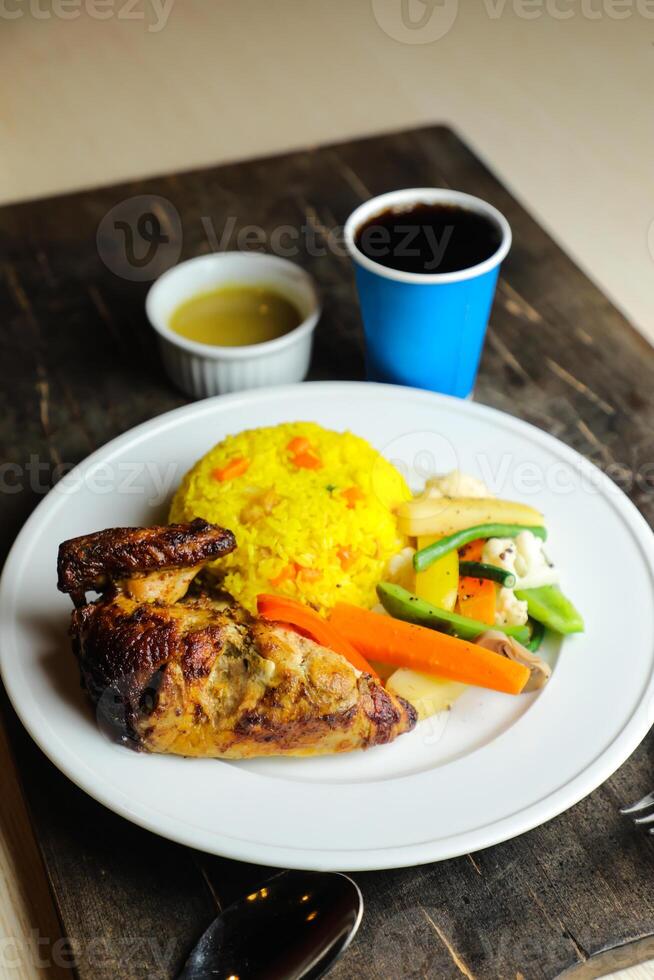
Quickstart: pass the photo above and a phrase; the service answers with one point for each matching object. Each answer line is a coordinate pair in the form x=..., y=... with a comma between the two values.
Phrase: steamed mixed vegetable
x=468, y=605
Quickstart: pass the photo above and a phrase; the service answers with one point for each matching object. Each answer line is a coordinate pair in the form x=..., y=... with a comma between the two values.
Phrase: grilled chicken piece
x=196, y=675
x=150, y=563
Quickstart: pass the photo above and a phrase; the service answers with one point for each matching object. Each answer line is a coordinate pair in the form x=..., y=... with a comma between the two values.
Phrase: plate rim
x=552, y=804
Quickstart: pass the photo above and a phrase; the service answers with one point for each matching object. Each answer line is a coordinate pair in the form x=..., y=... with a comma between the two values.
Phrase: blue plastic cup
x=425, y=330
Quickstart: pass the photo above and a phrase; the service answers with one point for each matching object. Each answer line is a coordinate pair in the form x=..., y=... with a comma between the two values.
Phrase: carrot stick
x=299, y=444
x=347, y=558
x=307, y=460
x=472, y=551
x=391, y=641
x=352, y=495
x=477, y=599
x=235, y=467
x=284, y=610
x=287, y=574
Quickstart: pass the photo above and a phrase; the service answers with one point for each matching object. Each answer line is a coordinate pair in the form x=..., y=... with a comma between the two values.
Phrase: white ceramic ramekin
x=201, y=370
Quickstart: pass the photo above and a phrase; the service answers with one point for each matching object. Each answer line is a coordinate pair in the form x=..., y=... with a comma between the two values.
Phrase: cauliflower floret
x=456, y=484
x=509, y=610
x=524, y=556
x=400, y=569
x=501, y=552
x=532, y=564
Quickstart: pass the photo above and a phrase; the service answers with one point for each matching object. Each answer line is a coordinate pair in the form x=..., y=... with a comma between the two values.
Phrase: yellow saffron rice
x=312, y=511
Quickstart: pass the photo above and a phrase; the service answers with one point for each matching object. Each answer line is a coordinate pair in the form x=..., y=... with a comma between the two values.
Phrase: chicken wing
x=148, y=562
x=195, y=674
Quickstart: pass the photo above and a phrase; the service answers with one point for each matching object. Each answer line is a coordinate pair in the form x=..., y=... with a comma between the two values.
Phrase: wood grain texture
x=30, y=933
x=79, y=366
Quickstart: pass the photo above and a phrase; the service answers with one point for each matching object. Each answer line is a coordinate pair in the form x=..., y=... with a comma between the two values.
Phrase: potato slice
x=445, y=515
x=427, y=694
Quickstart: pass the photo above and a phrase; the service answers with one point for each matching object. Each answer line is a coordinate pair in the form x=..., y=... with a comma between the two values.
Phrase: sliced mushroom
x=508, y=647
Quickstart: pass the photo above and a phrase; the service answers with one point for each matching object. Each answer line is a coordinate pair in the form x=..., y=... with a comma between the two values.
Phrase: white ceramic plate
x=493, y=767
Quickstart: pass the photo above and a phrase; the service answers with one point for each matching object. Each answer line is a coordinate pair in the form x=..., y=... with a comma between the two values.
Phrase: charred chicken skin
x=194, y=674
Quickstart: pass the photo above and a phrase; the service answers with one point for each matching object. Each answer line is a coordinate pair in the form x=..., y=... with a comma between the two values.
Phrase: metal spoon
x=294, y=927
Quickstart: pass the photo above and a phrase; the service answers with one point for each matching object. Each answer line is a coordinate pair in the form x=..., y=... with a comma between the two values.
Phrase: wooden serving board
x=79, y=366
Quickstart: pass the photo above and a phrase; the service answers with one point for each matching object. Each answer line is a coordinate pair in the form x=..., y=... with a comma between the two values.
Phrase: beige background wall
x=555, y=94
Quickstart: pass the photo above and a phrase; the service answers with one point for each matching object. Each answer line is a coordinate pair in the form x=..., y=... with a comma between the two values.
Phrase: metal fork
x=647, y=803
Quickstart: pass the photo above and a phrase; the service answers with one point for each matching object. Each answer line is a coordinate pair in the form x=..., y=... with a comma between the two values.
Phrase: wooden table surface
x=80, y=367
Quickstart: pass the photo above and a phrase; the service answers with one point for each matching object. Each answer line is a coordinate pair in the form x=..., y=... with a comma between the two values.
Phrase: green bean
x=479, y=569
x=409, y=607
x=536, y=638
x=452, y=542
